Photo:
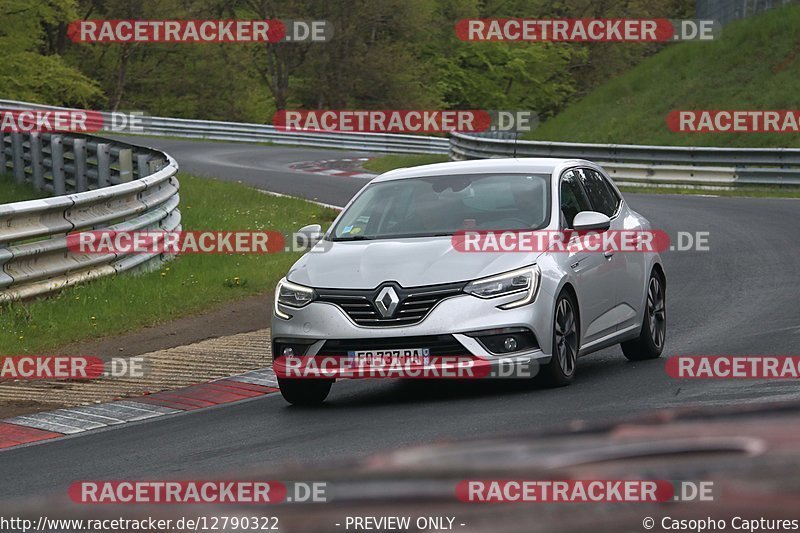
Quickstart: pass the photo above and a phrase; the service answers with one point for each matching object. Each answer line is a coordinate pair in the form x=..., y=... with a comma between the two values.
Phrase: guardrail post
x=57, y=164
x=17, y=157
x=5, y=279
x=125, y=161
x=37, y=170
x=81, y=179
x=142, y=165
x=3, y=161
x=103, y=165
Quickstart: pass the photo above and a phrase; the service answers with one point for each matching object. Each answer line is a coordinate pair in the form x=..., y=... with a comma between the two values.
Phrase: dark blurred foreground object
x=751, y=453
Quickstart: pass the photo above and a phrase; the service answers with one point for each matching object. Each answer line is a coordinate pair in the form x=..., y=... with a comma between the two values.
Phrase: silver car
x=387, y=276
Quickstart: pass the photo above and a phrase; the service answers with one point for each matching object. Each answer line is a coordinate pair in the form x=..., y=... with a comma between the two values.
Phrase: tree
x=30, y=68
x=208, y=80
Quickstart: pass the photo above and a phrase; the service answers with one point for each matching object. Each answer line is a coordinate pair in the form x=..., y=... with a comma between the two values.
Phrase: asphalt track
x=265, y=167
x=741, y=297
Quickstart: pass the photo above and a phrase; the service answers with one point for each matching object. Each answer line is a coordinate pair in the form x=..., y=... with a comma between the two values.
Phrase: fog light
x=283, y=347
x=510, y=344
x=502, y=341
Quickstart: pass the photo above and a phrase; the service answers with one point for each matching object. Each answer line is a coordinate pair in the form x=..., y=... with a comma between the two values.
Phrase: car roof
x=534, y=165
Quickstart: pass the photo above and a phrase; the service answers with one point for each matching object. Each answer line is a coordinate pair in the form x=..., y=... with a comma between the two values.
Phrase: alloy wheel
x=566, y=337
x=656, y=311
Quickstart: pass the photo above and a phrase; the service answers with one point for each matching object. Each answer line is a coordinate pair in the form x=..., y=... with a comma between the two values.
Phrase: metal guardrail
x=98, y=183
x=664, y=166
x=651, y=165
x=265, y=133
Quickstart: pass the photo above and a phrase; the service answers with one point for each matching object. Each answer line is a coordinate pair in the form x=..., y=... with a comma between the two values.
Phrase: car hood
x=410, y=262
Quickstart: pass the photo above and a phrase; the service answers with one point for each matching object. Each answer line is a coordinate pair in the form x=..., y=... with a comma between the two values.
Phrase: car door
x=593, y=274
x=631, y=287
x=621, y=265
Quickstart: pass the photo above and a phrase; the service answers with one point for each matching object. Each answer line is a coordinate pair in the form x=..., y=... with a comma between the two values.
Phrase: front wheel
x=305, y=391
x=650, y=342
x=560, y=370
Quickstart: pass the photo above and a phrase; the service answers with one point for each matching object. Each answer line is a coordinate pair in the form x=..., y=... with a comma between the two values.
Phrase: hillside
x=755, y=64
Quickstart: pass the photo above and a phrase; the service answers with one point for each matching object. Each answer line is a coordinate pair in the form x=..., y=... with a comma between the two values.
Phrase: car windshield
x=444, y=205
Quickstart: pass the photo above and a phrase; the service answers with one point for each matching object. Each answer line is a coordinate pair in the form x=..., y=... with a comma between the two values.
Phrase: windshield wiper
x=417, y=235
x=391, y=236
x=352, y=238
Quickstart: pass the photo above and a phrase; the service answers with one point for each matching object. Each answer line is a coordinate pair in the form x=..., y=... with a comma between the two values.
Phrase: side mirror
x=591, y=221
x=308, y=236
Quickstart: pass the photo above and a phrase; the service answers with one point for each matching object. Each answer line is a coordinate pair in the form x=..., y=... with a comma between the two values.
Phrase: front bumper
x=459, y=316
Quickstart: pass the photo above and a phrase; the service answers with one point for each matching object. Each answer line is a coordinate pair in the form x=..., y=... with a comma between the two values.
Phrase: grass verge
x=12, y=192
x=390, y=162
x=754, y=64
x=190, y=284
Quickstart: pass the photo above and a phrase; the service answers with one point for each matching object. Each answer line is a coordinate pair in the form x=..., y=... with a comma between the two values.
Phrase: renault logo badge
x=387, y=302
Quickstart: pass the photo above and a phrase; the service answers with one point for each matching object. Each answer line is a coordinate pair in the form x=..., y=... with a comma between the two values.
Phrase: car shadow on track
x=593, y=371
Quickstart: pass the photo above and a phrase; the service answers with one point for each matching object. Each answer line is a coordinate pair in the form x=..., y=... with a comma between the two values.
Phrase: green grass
x=12, y=192
x=755, y=64
x=190, y=284
x=390, y=162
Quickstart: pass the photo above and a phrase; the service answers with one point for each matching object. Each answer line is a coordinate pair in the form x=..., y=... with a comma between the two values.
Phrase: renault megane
x=388, y=277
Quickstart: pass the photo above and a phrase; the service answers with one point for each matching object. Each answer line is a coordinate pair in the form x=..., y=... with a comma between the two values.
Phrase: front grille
x=414, y=305
x=440, y=345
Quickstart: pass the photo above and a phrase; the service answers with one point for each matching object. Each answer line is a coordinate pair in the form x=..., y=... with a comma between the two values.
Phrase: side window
x=600, y=192
x=573, y=199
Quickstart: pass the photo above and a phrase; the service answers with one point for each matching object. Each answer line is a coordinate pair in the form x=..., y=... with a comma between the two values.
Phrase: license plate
x=403, y=356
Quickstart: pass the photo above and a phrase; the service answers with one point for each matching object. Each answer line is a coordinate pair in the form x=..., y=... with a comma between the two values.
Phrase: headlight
x=292, y=295
x=524, y=281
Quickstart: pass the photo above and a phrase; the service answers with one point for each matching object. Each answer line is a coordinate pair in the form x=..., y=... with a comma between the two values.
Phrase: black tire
x=650, y=342
x=305, y=391
x=560, y=371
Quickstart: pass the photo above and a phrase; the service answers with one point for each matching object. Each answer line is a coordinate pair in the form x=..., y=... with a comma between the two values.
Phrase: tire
x=305, y=391
x=560, y=371
x=650, y=342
